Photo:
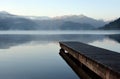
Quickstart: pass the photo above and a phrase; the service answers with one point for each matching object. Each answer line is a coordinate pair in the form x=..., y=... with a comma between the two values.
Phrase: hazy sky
x=100, y=9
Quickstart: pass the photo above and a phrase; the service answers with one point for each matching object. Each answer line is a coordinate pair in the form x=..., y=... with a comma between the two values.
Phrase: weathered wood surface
x=103, y=62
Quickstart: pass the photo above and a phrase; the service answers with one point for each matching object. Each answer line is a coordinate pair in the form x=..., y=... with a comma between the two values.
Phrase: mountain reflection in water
x=7, y=41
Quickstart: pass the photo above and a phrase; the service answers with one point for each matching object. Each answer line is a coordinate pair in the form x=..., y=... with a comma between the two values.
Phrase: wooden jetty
x=104, y=63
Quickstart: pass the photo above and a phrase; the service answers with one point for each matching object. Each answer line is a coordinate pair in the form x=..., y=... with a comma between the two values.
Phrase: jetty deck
x=104, y=63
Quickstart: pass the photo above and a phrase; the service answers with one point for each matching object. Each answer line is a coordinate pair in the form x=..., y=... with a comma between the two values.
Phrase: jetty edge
x=104, y=63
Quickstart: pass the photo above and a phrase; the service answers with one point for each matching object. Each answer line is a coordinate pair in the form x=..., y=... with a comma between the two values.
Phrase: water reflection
x=33, y=61
x=36, y=56
x=115, y=37
x=7, y=41
x=107, y=44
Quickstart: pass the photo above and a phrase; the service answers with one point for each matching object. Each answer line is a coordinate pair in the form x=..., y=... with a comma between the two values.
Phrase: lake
x=35, y=54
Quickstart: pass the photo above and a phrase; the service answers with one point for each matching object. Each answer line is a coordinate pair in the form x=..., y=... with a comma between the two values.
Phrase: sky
x=98, y=9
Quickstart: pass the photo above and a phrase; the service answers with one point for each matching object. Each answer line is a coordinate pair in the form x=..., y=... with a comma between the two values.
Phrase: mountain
x=13, y=22
x=82, y=19
x=5, y=14
x=76, y=26
x=115, y=25
x=73, y=22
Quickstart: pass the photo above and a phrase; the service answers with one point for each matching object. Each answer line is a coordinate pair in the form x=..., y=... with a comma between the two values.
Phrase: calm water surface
x=37, y=56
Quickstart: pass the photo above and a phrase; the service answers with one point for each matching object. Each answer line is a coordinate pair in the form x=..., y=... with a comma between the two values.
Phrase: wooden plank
x=103, y=62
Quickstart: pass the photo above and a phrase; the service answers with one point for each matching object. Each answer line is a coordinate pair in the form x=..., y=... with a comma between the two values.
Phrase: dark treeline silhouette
x=115, y=25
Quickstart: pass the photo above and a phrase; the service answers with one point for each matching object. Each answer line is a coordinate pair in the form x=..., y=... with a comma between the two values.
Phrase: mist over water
x=60, y=32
